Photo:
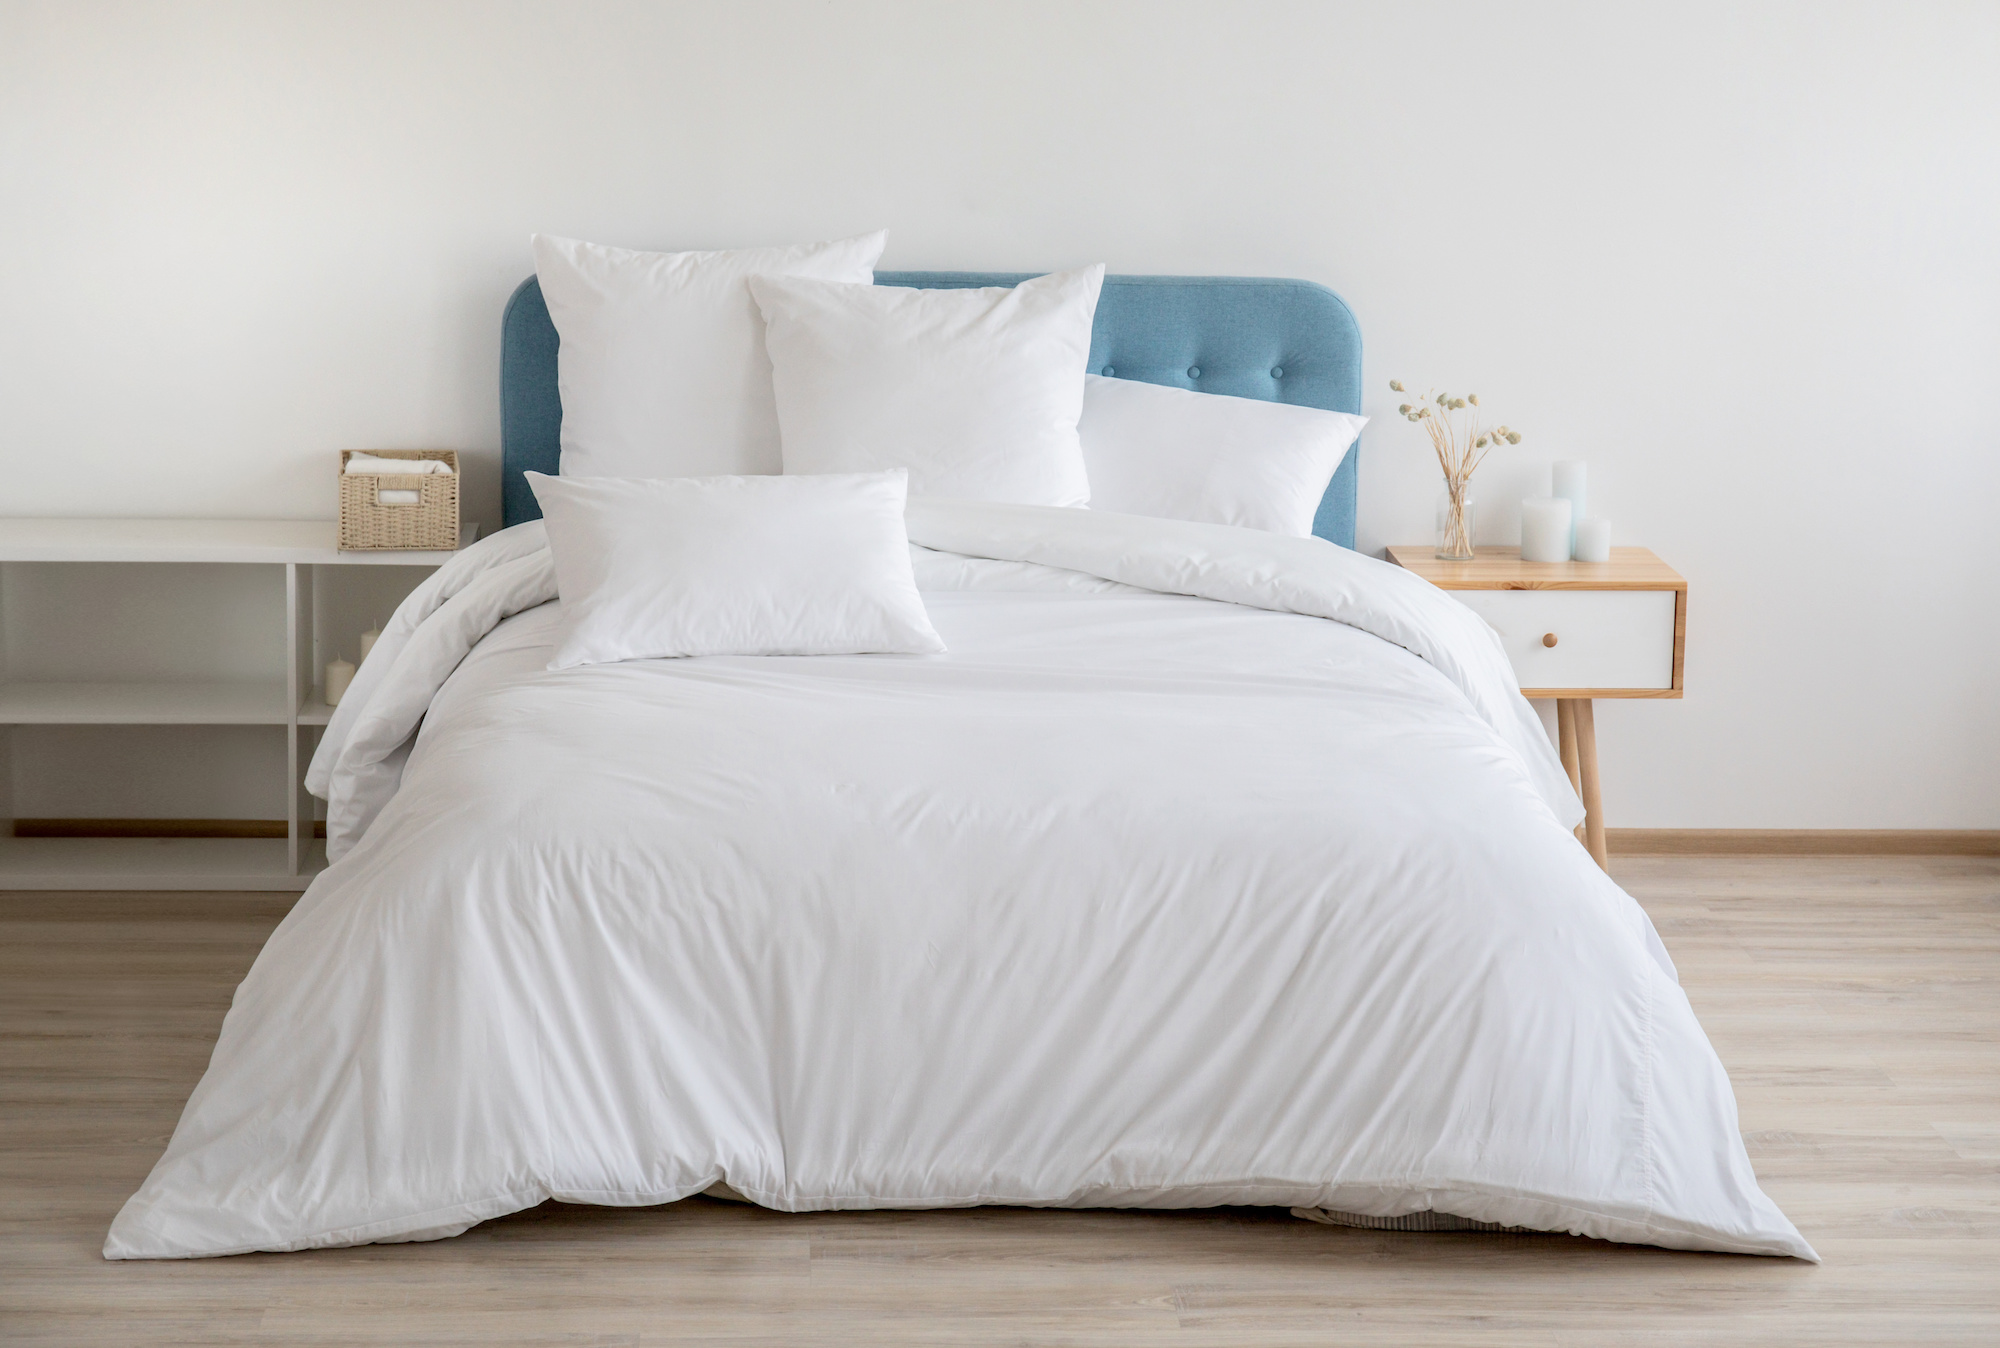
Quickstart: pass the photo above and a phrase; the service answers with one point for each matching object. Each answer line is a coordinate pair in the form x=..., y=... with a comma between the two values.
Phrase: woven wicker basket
x=430, y=524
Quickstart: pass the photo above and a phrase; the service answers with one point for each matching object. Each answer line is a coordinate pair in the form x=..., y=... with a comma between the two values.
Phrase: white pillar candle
x=1567, y=478
x=368, y=640
x=1593, y=540
x=338, y=675
x=1544, y=529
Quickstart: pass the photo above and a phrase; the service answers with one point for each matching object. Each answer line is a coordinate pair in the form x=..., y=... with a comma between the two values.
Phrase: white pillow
x=662, y=367
x=976, y=392
x=1176, y=454
x=731, y=566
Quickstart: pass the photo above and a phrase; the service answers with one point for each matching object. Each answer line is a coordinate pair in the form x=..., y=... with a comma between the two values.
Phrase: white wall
x=1743, y=259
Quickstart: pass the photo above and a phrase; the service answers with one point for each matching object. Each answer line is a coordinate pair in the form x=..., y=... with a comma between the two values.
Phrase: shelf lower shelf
x=152, y=863
x=208, y=702
x=214, y=702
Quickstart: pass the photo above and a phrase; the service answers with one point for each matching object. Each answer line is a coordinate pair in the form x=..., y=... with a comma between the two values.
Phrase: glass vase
x=1454, y=525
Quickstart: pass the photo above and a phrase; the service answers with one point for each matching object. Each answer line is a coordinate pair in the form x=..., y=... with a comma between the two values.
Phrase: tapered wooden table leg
x=1566, y=746
x=1566, y=741
x=1593, y=802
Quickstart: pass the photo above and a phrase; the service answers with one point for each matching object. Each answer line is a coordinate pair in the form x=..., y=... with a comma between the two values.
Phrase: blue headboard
x=1283, y=341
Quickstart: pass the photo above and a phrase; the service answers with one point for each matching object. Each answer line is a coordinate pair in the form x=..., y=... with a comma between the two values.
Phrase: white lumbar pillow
x=732, y=566
x=1176, y=454
x=975, y=392
x=662, y=367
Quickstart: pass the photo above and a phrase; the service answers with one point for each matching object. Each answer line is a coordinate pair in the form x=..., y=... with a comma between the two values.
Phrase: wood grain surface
x=1855, y=1001
x=1499, y=568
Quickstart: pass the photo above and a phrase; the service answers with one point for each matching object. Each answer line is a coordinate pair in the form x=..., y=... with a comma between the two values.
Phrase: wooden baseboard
x=155, y=828
x=1804, y=842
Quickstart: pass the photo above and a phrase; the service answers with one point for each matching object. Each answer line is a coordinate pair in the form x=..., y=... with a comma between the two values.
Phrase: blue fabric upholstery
x=1283, y=341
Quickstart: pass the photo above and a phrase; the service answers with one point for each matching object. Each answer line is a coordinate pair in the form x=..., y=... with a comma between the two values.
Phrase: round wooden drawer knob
x=1548, y=638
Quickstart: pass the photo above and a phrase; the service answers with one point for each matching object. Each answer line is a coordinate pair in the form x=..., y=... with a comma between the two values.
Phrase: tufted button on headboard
x=1251, y=337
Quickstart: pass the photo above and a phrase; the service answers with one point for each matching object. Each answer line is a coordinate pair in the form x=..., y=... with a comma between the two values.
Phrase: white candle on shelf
x=1544, y=529
x=338, y=675
x=368, y=640
x=1593, y=540
x=1567, y=478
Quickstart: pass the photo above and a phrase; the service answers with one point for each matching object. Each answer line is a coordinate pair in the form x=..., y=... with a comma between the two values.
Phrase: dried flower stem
x=1461, y=446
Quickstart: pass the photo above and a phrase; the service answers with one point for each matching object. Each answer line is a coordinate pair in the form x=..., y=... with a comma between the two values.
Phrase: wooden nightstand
x=1575, y=631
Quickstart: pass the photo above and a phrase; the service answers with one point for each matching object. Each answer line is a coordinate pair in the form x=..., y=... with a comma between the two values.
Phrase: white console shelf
x=189, y=685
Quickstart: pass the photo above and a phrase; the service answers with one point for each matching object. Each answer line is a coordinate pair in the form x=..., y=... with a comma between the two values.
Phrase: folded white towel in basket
x=369, y=463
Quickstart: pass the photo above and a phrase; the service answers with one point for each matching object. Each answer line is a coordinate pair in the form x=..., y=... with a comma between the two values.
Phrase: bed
x=1208, y=867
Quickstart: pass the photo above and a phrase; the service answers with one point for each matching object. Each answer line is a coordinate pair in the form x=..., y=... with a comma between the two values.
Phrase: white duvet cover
x=1206, y=867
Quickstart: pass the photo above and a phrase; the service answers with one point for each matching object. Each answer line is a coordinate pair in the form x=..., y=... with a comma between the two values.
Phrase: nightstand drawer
x=1604, y=639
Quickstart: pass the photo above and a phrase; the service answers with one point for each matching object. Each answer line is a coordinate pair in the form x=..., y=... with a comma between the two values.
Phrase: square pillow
x=662, y=367
x=975, y=392
x=1175, y=454
x=743, y=565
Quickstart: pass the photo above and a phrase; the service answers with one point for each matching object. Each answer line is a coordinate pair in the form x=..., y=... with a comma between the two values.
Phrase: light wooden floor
x=1855, y=1001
